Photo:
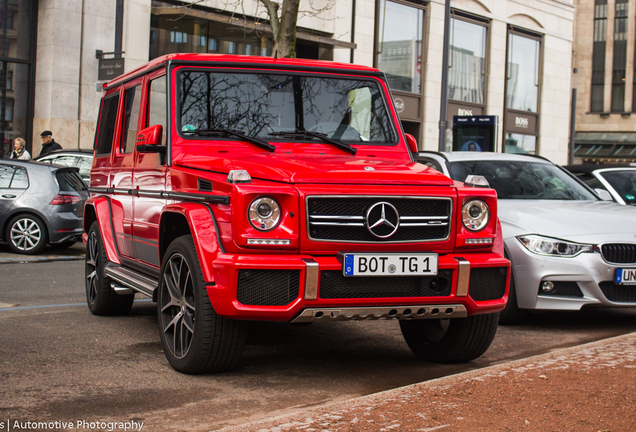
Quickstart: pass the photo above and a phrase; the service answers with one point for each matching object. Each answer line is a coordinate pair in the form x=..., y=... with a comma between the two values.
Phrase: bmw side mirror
x=605, y=195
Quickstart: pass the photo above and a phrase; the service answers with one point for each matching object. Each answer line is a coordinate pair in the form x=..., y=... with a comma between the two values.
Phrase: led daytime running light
x=548, y=246
x=274, y=242
x=479, y=241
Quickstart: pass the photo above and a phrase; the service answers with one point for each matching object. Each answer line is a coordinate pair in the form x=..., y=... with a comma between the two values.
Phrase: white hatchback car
x=568, y=248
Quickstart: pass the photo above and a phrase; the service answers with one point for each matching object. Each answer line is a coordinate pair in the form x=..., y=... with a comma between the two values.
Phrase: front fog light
x=264, y=213
x=547, y=287
x=475, y=215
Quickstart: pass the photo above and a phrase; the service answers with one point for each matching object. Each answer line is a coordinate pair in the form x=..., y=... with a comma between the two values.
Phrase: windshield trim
x=179, y=69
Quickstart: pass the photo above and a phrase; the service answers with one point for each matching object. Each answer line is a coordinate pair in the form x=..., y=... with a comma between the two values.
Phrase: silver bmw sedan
x=568, y=247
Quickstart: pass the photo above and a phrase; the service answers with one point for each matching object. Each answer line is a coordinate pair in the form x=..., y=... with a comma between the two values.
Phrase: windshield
x=351, y=110
x=523, y=180
x=624, y=182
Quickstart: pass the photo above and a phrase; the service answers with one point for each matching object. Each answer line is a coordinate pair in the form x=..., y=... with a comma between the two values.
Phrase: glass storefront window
x=519, y=143
x=400, y=45
x=195, y=35
x=467, y=62
x=15, y=29
x=14, y=103
x=523, y=73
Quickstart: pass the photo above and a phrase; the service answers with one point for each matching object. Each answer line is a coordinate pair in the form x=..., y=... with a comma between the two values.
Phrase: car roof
x=83, y=152
x=236, y=60
x=461, y=156
x=588, y=169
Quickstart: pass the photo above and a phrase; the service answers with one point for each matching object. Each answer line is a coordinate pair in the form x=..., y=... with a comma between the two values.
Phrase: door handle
x=8, y=196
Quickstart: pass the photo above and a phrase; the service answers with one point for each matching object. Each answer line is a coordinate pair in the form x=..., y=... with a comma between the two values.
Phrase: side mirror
x=605, y=195
x=149, y=140
x=412, y=143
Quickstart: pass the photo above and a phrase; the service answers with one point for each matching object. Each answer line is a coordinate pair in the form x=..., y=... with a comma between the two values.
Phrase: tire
x=27, y=234
x=195, y=339
x=100, y=297
x=454, y=340
x=63, y=245
x=512, y=314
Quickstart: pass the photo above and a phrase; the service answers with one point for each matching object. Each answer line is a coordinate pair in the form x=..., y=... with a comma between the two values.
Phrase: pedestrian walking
x=19, y=150
x=48, y=143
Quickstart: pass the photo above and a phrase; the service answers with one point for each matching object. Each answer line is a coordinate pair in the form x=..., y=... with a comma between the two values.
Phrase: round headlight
x=264, y=213
x=475, y=215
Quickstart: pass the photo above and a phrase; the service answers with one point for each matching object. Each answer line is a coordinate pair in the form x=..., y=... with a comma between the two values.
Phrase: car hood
x=334, y=169
x=579, y=221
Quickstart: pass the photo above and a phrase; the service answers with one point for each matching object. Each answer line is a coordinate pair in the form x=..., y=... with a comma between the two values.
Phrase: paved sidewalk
x=75, y=252
x=591, y=387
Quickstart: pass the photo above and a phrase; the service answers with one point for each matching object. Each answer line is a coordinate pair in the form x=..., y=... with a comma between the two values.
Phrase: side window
x=591, y=181
x=431, y=163
x=6, y=174
x=133, y=104
x=107, y=124
x=85, y=165
x=157, y=105
x=64, y=160
x=20, y=179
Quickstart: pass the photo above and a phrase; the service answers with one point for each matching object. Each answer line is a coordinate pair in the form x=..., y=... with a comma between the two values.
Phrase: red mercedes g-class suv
x=233, y=188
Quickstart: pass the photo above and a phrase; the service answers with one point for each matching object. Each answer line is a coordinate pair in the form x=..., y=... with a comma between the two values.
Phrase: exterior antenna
x=275, y=54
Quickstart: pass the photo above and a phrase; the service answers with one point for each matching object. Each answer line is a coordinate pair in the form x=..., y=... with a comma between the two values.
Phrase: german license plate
x=626, y=276
x=371, y=264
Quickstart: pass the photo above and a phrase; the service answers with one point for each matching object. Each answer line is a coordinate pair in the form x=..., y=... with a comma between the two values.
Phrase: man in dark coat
x=48, y=143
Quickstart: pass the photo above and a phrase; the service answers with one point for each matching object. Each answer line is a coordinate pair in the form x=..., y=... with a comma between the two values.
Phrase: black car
x=80, y=158
x=40, y=204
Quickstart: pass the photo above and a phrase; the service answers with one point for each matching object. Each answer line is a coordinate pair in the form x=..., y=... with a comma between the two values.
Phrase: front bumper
x=467, y=286
x=580, y=281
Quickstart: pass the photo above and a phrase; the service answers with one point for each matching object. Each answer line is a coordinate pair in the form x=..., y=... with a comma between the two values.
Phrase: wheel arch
x=191, y=219
x=98, y=209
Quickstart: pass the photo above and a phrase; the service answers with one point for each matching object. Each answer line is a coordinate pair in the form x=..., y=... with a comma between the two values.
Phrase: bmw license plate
x=626, y=276
x=371, y=264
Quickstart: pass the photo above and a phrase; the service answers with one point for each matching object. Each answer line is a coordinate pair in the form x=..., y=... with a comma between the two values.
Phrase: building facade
x=508, y=59
x=605, y=82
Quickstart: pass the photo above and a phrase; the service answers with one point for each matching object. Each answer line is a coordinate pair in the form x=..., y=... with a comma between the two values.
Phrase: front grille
x=619, y=253
x=333, y=285
x=488, y=283
x=268, y=287
x=618, y=293
x=339, y=218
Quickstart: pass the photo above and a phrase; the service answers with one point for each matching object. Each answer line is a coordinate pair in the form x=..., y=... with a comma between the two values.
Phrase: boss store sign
x=521, y=123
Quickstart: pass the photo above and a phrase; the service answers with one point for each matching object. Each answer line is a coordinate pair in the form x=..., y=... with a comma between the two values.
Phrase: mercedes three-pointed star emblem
x=382, y=220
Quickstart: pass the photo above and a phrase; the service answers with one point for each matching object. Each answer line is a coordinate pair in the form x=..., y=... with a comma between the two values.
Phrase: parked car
x=619, y=181
x=80, y=158
x=567, y=247
x=250, y=188
x=40, y=204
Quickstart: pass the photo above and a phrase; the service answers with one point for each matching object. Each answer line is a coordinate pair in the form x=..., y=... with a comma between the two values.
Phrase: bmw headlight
x=264, y=213
x=548, y=246
x=475, y=215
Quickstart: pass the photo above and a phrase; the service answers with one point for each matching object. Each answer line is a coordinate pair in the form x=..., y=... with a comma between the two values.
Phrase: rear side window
x=133, y=102
x=12, y=177
x=6, y=174
x=20, y=179
x=70, y=181
x=107, y=124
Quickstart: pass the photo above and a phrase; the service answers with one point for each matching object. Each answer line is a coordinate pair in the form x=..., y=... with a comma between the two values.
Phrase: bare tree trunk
x=283, y=21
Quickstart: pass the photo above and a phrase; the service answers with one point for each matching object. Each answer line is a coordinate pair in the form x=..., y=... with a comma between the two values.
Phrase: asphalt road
x=59, y=362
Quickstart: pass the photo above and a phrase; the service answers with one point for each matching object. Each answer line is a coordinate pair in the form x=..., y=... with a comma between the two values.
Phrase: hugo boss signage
x=523, y=123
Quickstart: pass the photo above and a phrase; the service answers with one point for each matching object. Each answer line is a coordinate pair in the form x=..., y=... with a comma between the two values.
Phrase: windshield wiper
x=323, y=137
x=239, y=134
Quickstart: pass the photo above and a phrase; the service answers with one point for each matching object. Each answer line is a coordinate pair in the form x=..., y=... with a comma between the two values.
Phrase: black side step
x=131, y=279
